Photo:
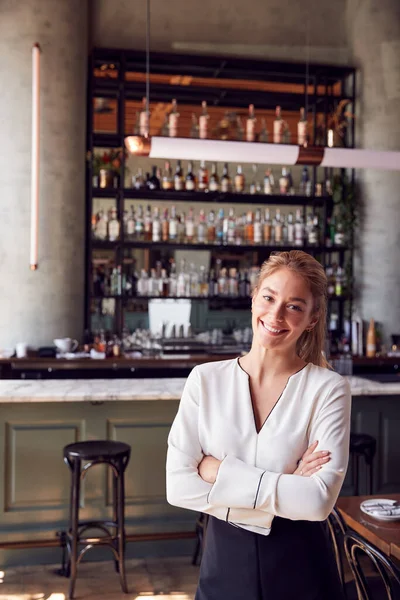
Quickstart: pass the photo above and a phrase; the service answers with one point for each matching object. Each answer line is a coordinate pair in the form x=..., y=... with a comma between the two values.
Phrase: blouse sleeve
x=185, y=487
x=239, y=485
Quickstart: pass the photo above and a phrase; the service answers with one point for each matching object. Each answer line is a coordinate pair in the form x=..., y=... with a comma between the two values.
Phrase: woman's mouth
x=272, y=330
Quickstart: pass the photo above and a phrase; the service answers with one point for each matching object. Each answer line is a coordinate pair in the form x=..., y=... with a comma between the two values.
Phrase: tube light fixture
x=35, y=157
x=260, y=153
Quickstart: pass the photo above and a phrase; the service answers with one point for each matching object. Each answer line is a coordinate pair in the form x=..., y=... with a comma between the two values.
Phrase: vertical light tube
x=35, y=157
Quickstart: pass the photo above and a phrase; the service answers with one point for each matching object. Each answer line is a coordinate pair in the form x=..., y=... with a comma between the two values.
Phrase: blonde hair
x=310, y=344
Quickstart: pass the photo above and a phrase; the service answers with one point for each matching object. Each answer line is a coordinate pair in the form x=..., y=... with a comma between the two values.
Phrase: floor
x=161, y=579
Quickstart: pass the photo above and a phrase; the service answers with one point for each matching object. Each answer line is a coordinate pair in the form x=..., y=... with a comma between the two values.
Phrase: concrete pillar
x=37, y=306
x=374, y=39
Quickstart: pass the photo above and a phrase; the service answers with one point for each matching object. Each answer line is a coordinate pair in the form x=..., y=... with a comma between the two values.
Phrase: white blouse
x=255, y=480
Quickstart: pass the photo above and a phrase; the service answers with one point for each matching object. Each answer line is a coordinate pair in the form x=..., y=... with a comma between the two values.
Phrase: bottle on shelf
x=258, y=228
x=203, y=121
x=213, y=185
x=148, y=225
x=144, y=117
x=302, y=126
x=190, y=181
x=211, y=230
x=268, y=182
x=371, y=340
x=254, y=185
x=239, y=180
x=165, y=226
x=240, y=230
x=339, y=281
x=202, y=184
x=153, y=182
x=219, y=227
x=167, y=179
x=173, y=281
x=222, y=282
x=249, y=229
x=202, y=228
x=113, y=226
x=156, y=225
x=173, y=119
x=189, y=227
x=181, y=228
x=229, y=229
x=194, y=129
x=173, y=226
x=314, y=232
x=305, y=183
x=138, y=181
x=225, y=180
x=290, y=229
x=339, y=234
x=139, y=224
x=267, y=227
x=142, y=284
x=299, y=231
x=278, y=227
x=251, y=125
x=263, y=137
x=290, y=182
x=284, y=182
x=278, y=126
x=239, y=129
x=330, y=280
x=101, y=230
x=179, y=180
x=164, y=284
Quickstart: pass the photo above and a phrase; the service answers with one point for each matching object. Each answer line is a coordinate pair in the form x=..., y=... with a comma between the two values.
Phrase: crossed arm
x=285, y=495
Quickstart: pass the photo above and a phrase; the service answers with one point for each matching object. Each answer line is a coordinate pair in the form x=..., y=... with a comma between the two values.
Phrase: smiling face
x=282, y=307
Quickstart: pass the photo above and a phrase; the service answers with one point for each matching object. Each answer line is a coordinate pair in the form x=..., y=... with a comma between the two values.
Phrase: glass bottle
x=189, y=227
x=240, y=230
x=268, y=182
x=239, y=180
x=211, y=233
x=148, y=224
x=173, y=226
x=222, y=283
x=138, y=182
x=302, y=127
x=251, y=125
x=225, y=180
x=267, y=226
x=305, y=183
x=173, y=119
x=113, y=226
x=339, y=235
x=203, y=282
x=190, y=181
x=263, y=137
x=203, y=121
x=164, y=283
x=203, y=177
x=284, y=183
x=213, y=185
x=156, y=225
x=313, y=232
x=167, y=180
x=219, y=227
x=165, y=226
x=331, y=280
x=101, y=231
x=249, y=230
x=130, y=224
x=229, y=233
x=179, y=181
x=212, y=284
x=153, y=182
x=142, y=284
x=258, y=228
x=254, y=186
x=339, y=277
x=233, y=283
x=172, y=292
x=139, y=224
x=181, y=228
x=202, y=228
x=290, y=229
x=278, y=227
x=278, y=126
x=194, y=129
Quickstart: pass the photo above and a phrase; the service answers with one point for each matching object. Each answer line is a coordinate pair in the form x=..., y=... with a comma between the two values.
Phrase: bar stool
x=362, y=445
x=116, y=455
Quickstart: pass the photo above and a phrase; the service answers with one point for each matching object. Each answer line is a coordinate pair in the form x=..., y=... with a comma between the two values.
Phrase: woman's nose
x=278, y=312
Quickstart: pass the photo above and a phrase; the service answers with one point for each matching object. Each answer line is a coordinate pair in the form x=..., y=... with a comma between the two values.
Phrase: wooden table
x=385, y=535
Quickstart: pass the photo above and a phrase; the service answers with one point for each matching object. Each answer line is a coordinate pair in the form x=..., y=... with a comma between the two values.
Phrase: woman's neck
x=260, y=362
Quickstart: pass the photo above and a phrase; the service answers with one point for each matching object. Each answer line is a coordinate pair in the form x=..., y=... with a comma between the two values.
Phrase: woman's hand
x=208, y=469
x=311, y=462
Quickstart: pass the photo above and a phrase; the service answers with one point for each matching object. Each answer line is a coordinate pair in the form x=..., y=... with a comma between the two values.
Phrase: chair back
x=337, y=529
x=356, y=547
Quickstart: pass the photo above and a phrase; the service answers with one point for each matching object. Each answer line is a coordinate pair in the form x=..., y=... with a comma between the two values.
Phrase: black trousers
x=294, y=562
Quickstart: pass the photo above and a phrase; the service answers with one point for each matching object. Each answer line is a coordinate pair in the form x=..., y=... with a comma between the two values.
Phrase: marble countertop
x=81, y=390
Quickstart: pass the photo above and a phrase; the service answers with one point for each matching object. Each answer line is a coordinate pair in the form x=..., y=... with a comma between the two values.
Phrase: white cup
x=21, y=349
x=65, y=345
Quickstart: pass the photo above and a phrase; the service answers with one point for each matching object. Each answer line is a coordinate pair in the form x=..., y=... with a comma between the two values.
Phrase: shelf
x=215, y=299
x=107, y=245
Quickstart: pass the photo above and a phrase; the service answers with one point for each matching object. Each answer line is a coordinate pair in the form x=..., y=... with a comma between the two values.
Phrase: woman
x=235, y=444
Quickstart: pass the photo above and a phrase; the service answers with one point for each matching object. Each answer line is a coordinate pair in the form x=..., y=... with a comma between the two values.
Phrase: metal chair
x=362, y=445
x=386, y=585
x=337, y=529
x=116, y=455
x=201, y=529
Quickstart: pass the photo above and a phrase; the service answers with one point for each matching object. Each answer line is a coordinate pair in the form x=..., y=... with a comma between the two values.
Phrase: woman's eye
x=267, y=298
x=295, y=307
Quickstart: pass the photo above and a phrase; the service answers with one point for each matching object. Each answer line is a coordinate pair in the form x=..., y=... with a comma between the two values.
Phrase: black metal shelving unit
x=323, y=80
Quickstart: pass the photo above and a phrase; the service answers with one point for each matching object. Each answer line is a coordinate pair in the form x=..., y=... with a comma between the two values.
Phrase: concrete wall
x=274, y=29
x=37, y=306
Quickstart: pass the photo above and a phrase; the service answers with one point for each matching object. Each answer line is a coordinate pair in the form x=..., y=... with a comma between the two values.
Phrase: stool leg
x=121, y=528
x=115, y=511
x=75, y=485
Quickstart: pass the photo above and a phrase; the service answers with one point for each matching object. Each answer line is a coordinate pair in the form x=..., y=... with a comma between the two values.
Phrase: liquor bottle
x=239, y=180
x=371, y=340
x=213, y=285
x=278, y=227
x=239, y=129
x=249, y=230
x=318, y=189
x=314, y=232
x=153, y=183
x=211, y=233
x=267, y=226
x=153, y=286
x=143, y=284
x=172, y=291
x=139, y=224
x=194, y=129
x=222, y=283
x=268, y=183
x=156, y=225
x=202, y=228
x=290, y=229
x=165, y=127
x=144, y=119
x=190, y=181
x=180, y=282
x=165, y=226
x=113, y=226
x=219, y=227
x=213, y=185
x=330, y=280
x=138, y=182
x=164, y=284
x=240, y=230
x=278, y=126
x=203, y=282
x=167, y=179
x=258, y=228
x=147, y=225
x=253, y=188
x=225, y=180
x=263, y=137
x=203, y=177
x=339, y=281
x=203, y=121
x=173, y=226
x=130, y=224
x=251, y=125
x=179, y=181
x=244, y=284
x=299, y=229
x=302, y=126
x=339, y=236
x=189, y=227
x=229, y=227
x=290, y=182
x=173, y=119
x=181, y=228
x=284, y=230
x=305, y=183
x=284, y=182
